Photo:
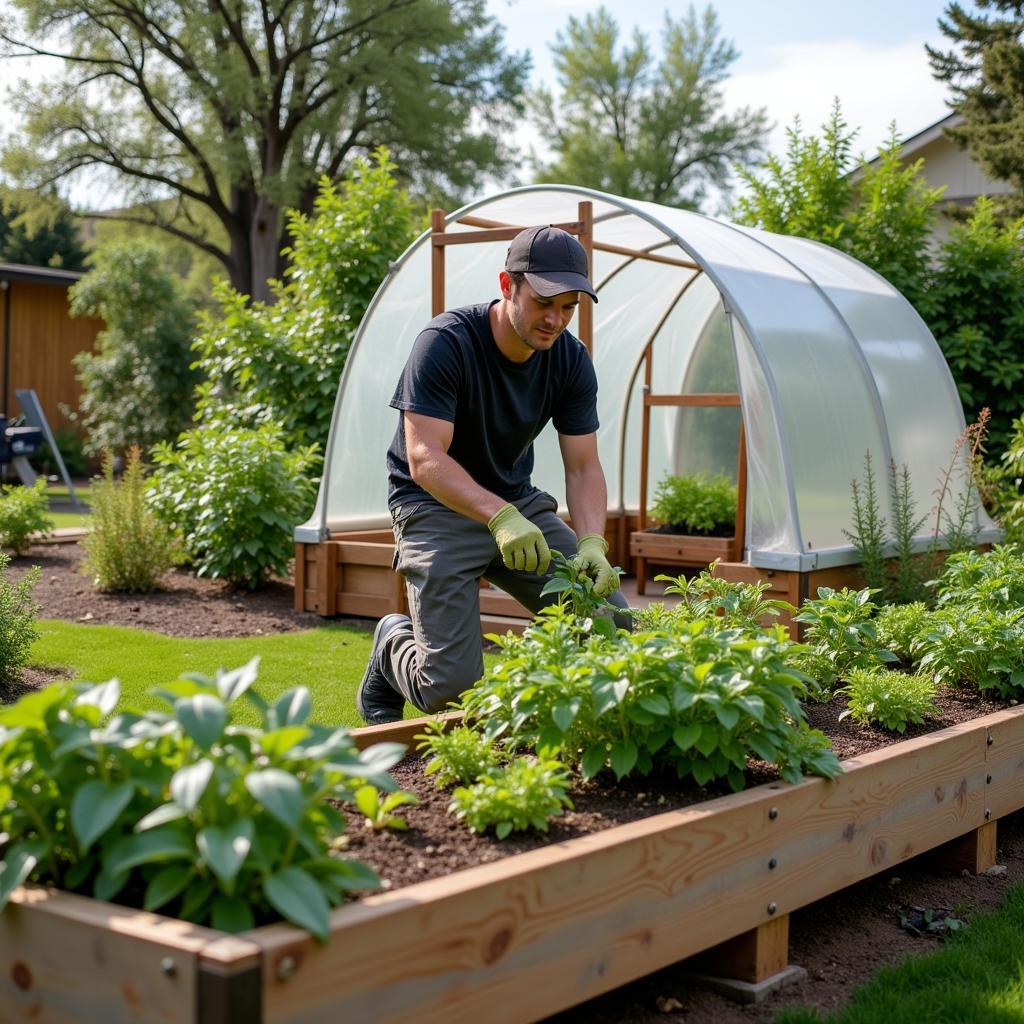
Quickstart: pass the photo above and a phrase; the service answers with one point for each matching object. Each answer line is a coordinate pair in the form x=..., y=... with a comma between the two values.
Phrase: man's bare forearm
x=586, y=494
x=444, y=479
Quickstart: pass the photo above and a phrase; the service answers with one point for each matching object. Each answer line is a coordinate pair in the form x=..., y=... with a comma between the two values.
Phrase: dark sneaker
x=376, y=699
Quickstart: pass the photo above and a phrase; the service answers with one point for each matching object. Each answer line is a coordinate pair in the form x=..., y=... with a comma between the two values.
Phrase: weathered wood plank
x=752, y=956
x=65, y=958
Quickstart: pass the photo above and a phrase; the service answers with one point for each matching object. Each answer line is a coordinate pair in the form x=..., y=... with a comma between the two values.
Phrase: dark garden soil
x=685, y=531
x=841, y=941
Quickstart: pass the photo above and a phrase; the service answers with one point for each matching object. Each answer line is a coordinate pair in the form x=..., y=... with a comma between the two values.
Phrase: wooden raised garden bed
x=516, y=940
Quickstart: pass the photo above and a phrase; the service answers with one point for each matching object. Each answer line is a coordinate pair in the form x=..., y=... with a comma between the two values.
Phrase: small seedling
x=378, y=807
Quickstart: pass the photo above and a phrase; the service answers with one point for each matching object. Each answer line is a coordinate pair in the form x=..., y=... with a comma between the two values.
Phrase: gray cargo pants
x=442, y=556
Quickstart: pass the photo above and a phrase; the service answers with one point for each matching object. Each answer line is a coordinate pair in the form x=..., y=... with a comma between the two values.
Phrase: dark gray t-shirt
x=456, y=372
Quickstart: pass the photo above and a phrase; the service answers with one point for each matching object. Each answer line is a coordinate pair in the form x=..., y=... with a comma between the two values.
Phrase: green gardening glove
x=522, y=545
x=591, y=549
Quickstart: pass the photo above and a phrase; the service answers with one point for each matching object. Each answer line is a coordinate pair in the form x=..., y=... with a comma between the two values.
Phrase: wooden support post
x=586, y=315
x=739, y=537
x=437, y=265
x=752, y=956
x=974, y=852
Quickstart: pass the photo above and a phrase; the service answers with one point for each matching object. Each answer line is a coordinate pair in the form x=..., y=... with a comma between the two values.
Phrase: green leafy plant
x=697, y=503
x=707, y=596
x=576, y=589
x=991, y=579
x=698, y=699
x=379, y=807
x=899, y=627
x=1010, y=505
x=527, y=793
x=981, y=647
x=898, y=578
x=892, y=699
x=24, y=513
x=234, y=497
x=869, y=534
x=128, y=549
x=839, y=628
x=183, y=811
x=17, y=620
x=456, y=755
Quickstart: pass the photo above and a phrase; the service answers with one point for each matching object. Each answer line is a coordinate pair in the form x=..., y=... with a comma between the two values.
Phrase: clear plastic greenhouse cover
x=829, y=360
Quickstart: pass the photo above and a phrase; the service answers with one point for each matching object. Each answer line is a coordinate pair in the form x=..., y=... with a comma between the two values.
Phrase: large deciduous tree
x=637, y=127
x=213, y=118
x=985, y=73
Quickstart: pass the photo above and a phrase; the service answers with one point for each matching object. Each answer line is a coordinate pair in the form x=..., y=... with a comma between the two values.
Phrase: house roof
x=37, y=275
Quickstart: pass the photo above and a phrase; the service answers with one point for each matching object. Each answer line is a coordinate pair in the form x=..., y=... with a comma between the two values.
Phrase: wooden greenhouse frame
x=351, y=573
x=524, y=937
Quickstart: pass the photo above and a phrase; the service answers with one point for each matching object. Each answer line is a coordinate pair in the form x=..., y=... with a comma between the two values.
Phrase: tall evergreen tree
x=52, y=243
x=651, y=130
x=239, y=108
x=985, y=73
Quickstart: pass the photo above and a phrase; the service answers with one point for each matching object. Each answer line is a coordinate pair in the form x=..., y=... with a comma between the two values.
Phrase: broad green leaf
x=380, y=757
x=294, y=706
x=95, y=807
x=702, y=772
x=231, y=685
x=297, y=897
x=564, y=713
x=727, y=715
x=161, y=816
x=150, y=847
x=19, y=862
x=203, y=717
x=708, y=739
x=367, y=799
x=189, y=783
x=104, y=696
x=684, y=736
x=502, y=829
x=231, y=914
x=623, y=757
x=656, y=703
x=108, y=884
x=31, y=710
x=763, y=747
x=278, y=742
x=224, y=849
x=166, y=884
x=593, y=760
x=280, y=793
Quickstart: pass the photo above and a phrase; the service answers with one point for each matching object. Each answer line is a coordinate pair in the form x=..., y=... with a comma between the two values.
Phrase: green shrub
x=697, y=503
x=128, y=549
x=892, y=699
x=183, y=812
x=17, y=620
x=456, y=755
x=24, y=512
x=526, y=794
x=981, y=647
x=234, y=496
x=900, y=627
x=698, y=699
x=1010, y=502
x=839, y=628
x=137, y=386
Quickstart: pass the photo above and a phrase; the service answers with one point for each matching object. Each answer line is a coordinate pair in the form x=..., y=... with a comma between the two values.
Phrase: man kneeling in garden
x=480, y=384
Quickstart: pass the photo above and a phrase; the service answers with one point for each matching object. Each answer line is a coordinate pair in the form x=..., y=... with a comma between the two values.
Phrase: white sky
x=795, y=55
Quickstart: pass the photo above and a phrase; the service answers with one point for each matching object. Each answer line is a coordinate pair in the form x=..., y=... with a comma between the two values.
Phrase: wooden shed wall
x=44, y=339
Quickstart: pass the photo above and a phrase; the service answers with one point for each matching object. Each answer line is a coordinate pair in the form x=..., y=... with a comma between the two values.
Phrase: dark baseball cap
x=552, y=260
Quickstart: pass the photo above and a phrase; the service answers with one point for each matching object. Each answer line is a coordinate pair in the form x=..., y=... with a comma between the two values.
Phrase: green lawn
x=59, y=497
x=329, y=660
x=976, y=978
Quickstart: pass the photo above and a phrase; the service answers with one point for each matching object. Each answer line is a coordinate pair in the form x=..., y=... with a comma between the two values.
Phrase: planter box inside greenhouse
x=527, y=936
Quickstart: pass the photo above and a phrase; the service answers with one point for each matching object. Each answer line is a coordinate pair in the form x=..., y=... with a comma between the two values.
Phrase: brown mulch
x=841, y=940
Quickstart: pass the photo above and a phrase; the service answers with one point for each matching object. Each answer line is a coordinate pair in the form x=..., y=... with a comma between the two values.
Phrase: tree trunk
x=263, y=247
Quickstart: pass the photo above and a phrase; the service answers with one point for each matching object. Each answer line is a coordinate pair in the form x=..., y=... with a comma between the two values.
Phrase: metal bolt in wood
x=773, y=813
x=168, y=967
x=285, y=968
x=772, y=864
x=772, y=907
